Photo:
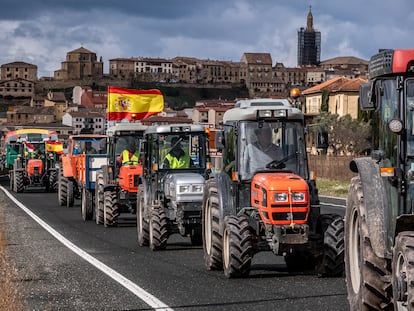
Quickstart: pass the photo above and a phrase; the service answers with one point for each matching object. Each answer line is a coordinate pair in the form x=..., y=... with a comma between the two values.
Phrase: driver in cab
x=261, y=152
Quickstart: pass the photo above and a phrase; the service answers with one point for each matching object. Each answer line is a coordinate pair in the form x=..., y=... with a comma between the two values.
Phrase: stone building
x=80, y=64
x=30, y=115
x=18, y=70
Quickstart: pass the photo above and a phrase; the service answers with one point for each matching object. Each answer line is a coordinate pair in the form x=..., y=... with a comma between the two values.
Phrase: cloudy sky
x=41, y=32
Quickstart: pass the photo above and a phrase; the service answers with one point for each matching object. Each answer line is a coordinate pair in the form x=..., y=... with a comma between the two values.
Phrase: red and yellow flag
x=133, y=104
x=54, y=146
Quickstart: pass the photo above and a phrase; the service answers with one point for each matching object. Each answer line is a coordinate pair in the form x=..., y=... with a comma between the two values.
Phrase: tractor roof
x=248, y=110
x=126, y=127
x=175, y=128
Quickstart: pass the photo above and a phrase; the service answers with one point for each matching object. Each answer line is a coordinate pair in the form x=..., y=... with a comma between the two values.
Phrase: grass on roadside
x=11, y=292
x=334, y=188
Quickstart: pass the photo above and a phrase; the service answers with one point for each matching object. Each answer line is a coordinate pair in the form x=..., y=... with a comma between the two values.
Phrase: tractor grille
x=288, y=216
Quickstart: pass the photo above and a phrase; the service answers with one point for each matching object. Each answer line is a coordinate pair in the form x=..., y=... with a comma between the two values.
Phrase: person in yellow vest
x=177, y=157
x=129, y=156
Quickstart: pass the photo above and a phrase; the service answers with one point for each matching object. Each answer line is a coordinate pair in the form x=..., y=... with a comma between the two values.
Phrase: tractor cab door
x=387, y=144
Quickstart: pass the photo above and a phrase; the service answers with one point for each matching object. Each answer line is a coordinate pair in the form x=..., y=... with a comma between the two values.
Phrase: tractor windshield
x=89, y=145
x=272, y=145
x=181, y=151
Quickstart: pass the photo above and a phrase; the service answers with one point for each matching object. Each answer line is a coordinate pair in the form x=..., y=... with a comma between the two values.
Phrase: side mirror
x=366, y=96
x=321, y=140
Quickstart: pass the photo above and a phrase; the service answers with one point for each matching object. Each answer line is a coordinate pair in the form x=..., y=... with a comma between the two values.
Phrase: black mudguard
x=375, y=202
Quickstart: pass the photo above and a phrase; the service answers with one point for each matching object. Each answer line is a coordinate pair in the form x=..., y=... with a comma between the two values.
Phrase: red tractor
x=263, y=198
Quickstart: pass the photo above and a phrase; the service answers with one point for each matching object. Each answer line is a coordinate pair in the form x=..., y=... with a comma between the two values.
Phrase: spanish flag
x=133, y=104
x=54, y=146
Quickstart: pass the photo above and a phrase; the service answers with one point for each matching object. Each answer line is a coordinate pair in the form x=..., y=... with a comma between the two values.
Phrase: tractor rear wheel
x=62, y=189
x=237, y=247
x=365, y=271
x=142, y=224
x=212, y=239
x=52, y=182
x=331, y=263
x=111, y=209
x=87, y=204
x=403, y=272
x=99, y=199
x=158, y=230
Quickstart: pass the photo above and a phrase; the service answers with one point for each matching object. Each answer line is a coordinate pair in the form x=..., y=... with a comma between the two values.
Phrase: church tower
x=309, y=43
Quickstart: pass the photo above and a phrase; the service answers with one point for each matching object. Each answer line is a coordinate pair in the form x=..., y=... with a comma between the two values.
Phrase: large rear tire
x=99, y=198
x=403, y=272
x=331, y=263
x=237, y=247
x=142, y=224
x=212, y=239
x=87, y=204
x=111, y=209
x=365, y=272
x=62, y=189
x=158, y=230
x=70, y=199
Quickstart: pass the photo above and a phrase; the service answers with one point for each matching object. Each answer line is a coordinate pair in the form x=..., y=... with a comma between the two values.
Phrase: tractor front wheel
x=111, y=209
x=142, y=224
x=99, y=199
x=237, y=247
x=158, y=231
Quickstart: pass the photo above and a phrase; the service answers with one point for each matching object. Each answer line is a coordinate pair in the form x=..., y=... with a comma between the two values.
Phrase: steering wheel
x=280, y=164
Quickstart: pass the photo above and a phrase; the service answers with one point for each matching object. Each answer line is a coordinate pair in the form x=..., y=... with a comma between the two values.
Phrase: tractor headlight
x=298, y=196
x=281, y=197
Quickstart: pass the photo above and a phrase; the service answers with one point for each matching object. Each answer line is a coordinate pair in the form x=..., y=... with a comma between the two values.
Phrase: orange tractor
x=86, y=154
x=263, y=198
x=117, y=180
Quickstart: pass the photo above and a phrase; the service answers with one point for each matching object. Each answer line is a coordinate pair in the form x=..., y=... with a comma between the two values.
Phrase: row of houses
x=255, y=71
x=88, y=108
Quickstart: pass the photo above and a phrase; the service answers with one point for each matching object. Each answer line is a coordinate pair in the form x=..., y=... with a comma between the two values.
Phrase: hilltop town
x=195, y=90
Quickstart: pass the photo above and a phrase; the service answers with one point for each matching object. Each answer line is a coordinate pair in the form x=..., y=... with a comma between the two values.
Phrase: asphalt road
x=67, y=264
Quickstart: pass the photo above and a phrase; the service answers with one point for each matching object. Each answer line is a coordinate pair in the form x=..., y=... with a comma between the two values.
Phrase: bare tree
x=345, y=135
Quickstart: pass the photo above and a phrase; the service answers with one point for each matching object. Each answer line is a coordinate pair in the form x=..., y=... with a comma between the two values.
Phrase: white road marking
x=149, y=299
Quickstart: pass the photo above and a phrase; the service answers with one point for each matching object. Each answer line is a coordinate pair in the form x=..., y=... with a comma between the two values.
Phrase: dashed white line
x=149, y=299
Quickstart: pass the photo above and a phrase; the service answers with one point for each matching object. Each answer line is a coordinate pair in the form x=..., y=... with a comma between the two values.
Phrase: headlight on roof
x=184, y=188
x=264, y=113
x=197, y=188
x=280, y=113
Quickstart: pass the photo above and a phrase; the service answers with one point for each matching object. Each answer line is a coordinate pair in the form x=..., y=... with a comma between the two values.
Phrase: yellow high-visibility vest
x=127, y=160
x=183, y=162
